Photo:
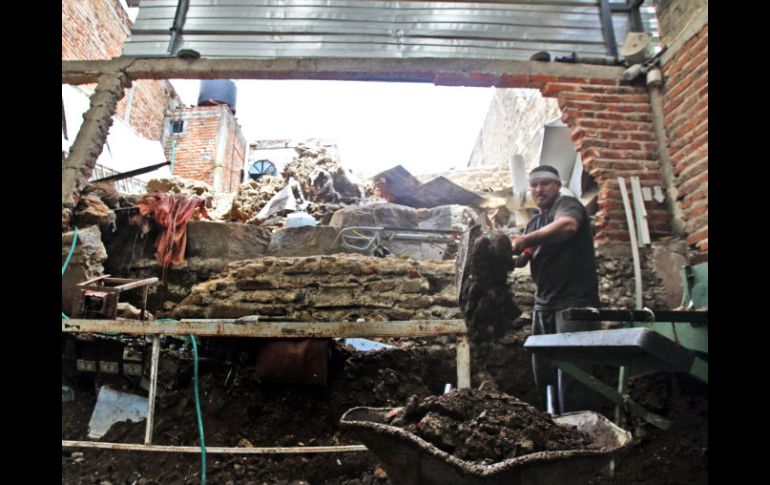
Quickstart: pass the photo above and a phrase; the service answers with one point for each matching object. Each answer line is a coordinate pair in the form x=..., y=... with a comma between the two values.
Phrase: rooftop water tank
x=218, y=91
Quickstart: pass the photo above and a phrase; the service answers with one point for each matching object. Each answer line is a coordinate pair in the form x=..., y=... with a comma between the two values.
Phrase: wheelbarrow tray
x=410, y=460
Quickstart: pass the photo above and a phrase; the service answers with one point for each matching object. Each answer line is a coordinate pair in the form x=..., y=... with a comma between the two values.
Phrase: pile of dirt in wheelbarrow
x=485, y=427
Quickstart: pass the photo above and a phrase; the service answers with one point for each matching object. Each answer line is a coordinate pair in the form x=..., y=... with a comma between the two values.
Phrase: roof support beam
x=468, y=72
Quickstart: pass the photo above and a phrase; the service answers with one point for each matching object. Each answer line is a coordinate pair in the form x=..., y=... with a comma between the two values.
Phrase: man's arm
x=559, y=230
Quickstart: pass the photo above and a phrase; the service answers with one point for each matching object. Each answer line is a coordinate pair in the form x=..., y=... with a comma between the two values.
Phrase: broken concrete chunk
x=304, y=241
x=129, y=311
x=91, y=210
x=85, y=263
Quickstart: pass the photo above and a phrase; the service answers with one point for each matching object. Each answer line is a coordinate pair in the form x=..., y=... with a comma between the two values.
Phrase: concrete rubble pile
x=322, y=187
x=327, y=288
x=217, y=204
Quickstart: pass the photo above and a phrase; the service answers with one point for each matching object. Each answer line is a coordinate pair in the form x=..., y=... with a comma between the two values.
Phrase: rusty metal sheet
x=298, y=361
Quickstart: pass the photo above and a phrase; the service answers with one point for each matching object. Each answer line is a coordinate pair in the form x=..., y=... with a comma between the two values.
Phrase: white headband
x=543, y=174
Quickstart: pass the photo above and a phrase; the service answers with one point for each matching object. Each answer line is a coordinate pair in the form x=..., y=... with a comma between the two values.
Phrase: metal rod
x=608, y=392
x=131, y=173
x=463, y=362
x=225, y=328
x=550, y=396
x=640, y=211
x=634, y=247
x=695, y=317
x=213, y=449
x=153, y=388
x=607, y=28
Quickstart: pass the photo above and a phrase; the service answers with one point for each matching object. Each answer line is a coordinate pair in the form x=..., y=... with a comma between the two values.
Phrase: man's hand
x=517, y=244
x=521, y=260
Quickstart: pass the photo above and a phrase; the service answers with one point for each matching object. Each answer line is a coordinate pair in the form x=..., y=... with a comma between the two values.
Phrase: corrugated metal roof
x=371, y=29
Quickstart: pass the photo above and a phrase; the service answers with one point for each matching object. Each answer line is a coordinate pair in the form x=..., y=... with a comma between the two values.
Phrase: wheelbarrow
x=410, y=460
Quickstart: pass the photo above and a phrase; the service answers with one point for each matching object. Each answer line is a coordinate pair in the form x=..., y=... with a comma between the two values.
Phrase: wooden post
x=153, y=387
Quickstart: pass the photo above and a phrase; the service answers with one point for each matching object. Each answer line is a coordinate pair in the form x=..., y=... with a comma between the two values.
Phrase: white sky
x=376, y=125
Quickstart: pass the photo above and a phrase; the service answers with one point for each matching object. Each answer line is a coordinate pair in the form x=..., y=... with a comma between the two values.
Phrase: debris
x=129, y=311
x=366, y=345
x=380, y=474
x=105, y=191
x=486, y=427
x=113, y=407
x=91, y=210
x=399, y=186
x=289, y=199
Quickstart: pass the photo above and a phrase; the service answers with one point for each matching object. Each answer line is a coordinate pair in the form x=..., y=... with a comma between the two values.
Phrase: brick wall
x=611, y=126
x=97, y=29
x=685, y=109
x=196, y=149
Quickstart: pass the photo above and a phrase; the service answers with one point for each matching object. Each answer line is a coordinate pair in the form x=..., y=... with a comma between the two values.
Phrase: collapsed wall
x=327, y=288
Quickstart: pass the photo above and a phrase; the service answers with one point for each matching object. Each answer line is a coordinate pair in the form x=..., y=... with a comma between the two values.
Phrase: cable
x=72, y=250
x=67, y=261
x=198, y=410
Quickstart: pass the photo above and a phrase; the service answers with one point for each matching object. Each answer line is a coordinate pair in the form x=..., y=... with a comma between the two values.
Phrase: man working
x=558, y=244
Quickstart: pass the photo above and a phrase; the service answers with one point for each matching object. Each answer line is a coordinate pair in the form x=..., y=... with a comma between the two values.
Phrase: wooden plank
x=135, y=284
x=214, y=449
x=153, y=389
x=227, y=328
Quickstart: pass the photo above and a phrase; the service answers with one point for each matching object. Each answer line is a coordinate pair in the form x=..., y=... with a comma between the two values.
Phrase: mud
x=238, y=410
x=485, y=427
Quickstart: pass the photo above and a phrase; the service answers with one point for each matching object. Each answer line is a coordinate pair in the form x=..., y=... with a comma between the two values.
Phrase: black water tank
x=213, y=92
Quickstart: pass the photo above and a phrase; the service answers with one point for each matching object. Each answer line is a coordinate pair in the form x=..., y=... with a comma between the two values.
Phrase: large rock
x=304, y=241
x=447, y=217
x=225, y=240
x=383, y=215
x=85, y=263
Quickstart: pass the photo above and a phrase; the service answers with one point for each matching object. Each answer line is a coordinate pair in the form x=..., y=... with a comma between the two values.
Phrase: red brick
x=697, y=236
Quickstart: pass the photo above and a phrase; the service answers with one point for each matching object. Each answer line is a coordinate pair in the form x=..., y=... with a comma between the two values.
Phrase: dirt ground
x=240, y=411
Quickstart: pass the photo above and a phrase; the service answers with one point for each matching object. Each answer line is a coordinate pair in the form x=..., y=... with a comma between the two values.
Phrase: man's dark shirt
x=565, y=272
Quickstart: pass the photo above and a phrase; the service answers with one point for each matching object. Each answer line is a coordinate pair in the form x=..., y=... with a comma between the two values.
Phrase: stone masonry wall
x=97, y=29
x=511, y=127
x=327, y=288
x=685, y=108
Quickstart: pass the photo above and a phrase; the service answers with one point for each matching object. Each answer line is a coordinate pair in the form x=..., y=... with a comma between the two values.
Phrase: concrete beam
x=465, y=72
x=88, y=145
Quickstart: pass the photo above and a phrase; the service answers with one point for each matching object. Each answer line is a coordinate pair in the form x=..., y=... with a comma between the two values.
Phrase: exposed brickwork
x=97, y=29
x=685, y=109
x=196, y=147
x=612, y=128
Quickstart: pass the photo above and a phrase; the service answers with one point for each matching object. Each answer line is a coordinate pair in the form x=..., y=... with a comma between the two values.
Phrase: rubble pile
x=322, y=178
x=218, y=205
x=485, y=427
x=327, y=288
x=252, y=196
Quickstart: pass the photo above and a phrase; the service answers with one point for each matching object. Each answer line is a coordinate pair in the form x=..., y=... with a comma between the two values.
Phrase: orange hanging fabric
x=171, y=212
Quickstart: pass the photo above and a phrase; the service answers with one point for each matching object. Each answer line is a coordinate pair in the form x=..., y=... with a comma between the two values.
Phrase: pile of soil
x=240, y=411
x=485, y=427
